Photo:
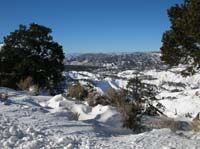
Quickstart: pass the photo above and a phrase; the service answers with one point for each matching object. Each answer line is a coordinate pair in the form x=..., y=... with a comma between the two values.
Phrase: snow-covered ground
x=54, y=122
x=32, y=122
x=175, y=90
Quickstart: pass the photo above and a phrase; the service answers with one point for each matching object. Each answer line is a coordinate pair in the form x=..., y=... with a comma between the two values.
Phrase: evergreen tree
x=181, y=44
x=141, y=95
x=140, y=91
x=31, y=52
x=135, y=86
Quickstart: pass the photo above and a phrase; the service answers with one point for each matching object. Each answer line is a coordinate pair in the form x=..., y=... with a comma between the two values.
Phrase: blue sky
x=93, y=25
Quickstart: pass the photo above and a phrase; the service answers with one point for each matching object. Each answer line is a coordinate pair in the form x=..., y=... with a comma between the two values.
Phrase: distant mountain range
x=135, y=60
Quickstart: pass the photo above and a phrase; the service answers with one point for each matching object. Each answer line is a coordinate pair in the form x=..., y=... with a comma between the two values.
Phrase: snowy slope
x=44, y=121
x=175, y=91
x=56, y=122
x=24, y=123
x=179, y=95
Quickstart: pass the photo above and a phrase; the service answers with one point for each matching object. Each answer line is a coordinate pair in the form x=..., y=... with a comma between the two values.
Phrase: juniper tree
x=181, y=43
x=140, y=91
x=31, y=52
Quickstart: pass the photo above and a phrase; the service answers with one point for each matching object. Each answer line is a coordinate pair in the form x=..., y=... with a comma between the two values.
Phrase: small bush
x=94, y=98
x=131, y=112
x=132, y=117
x=77, y=91
x=111, y=94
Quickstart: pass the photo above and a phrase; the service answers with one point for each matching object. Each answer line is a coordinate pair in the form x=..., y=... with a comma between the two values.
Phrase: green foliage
x=31, y=51
x=140, y=91
x=181, y=44
x=131, y=113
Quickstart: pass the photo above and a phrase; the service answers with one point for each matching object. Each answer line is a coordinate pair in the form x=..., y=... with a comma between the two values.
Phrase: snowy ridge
x=122, y=61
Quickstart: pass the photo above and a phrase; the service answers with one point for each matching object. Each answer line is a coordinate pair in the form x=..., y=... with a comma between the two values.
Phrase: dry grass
x=24, y=84
x=196, y=123
x=94, y=98
x=196, y=126
x=116, y=98
x=158, y=123
x=132, y=116
x=171, y=124
x=77, y=91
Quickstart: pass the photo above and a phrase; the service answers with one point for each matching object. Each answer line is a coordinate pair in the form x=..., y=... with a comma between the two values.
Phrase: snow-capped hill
x=120, y=61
